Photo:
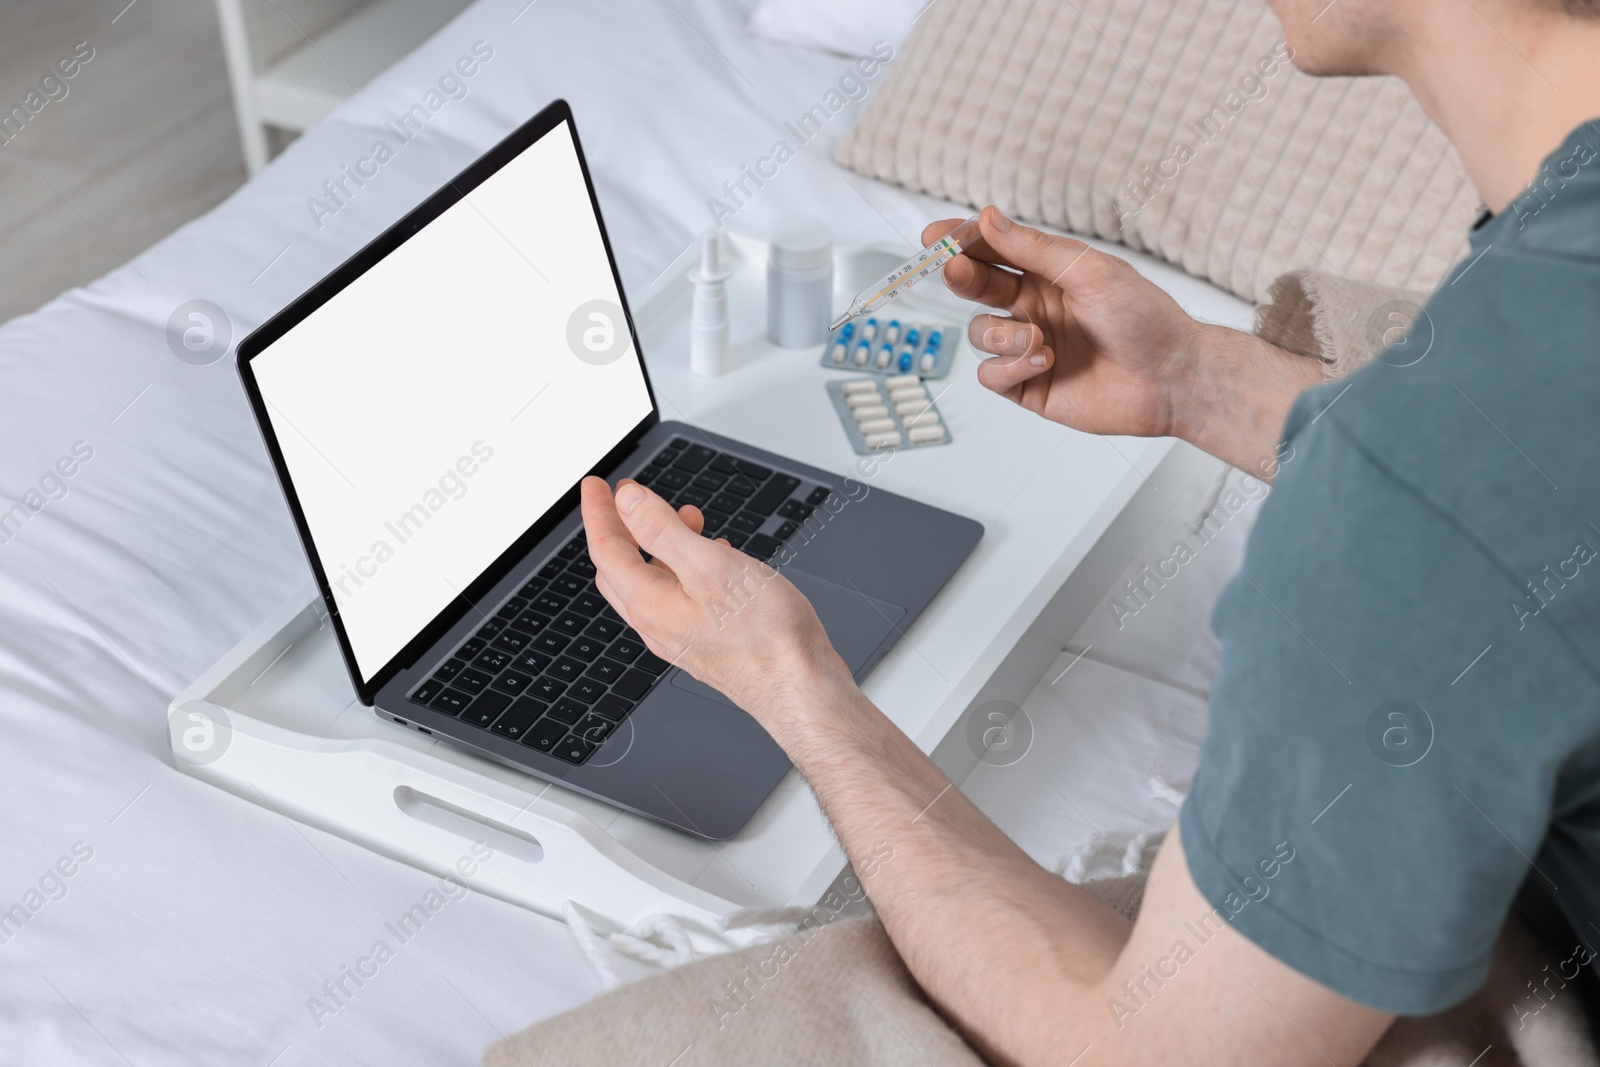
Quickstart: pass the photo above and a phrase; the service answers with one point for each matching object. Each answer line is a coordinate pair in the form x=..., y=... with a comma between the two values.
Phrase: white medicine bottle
x=800, y=283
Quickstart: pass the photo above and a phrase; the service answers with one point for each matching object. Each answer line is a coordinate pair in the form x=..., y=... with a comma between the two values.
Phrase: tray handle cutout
x=468, y=824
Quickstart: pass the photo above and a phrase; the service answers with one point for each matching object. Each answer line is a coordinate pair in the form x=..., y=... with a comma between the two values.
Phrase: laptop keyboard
x=556, y=668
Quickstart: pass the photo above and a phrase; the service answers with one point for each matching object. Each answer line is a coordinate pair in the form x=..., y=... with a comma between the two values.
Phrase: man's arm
x=1089, y=342
x=1031, y=968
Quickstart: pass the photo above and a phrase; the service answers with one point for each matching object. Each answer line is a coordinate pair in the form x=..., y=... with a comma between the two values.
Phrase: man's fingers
x=978, y=248
x=657, y=527
x=624, y=576
x=692, y=517
x=1028, y=249
x=982, y=283
x=1001, y=374
x=1000, y=335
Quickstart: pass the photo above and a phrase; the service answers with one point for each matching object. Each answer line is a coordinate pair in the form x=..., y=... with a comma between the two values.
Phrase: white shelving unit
x=301, y=86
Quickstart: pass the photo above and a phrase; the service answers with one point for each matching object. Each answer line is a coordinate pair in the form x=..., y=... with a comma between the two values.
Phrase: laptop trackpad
x=857, y=625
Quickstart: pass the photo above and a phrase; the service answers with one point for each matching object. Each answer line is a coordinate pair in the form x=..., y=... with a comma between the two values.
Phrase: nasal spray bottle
x=708, y=330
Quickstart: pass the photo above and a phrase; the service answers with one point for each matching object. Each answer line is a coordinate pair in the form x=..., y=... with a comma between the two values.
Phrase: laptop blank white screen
x=436, y=407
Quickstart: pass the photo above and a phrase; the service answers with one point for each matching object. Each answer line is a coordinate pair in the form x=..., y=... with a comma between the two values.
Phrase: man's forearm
x=1235, y=402
x=1002, y=945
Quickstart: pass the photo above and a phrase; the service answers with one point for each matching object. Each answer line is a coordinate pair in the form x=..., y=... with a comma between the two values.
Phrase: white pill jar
x=800, y=283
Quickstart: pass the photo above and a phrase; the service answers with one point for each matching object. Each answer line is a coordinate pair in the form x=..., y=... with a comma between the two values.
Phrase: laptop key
x=472, y=680
x=590, y=604
x=726, y=502
x=817, y=495
x=450, y=669
x=550, y=570
x=531, y=623
x=793, y=509
x=652, y=663
x=646, y=476
x=493, y=659
x=547, y=603
x=573, y=749
x=785, y=530
x=740, y=486
x=549, y=642
x=568, y=585
x=587, y=690
x=736, y=538
x=425, y=692
x=583, y=567
x=710, y=480
x=666, y=455
x=544, y=734
x=762, y=547
x=451, y=701
x=691, y=495
x=570, y=549
x=490, y=628
x=530, y=661
x=486, y=709
x=714, y=521
x=613, y=707
x=565, y=669
x=694, y=458
x=594, y=727
x=634, y=684
x=772, y=494
x=603, y=628
x=513, y=682
x=534, y=587
x=512, y=641
x=566, y=710
x=515, y=722
x=607, y=670
x=627, y=649
x=746, y=522
x=512, y=608
x=470, y=649
x=586, y=648
x=570, y=623
x=546, y=688
x=754, y=471
x=671, y=479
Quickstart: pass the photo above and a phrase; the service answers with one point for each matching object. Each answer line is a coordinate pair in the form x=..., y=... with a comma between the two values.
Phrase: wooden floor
x=143, y=141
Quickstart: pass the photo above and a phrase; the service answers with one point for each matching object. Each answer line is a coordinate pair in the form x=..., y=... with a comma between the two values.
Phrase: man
x=1426, y=564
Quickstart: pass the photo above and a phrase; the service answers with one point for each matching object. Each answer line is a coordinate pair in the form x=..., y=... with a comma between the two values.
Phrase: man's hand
x=731, y=621
x=1089, y=342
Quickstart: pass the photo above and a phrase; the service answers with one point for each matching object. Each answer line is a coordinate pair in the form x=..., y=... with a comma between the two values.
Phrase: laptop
x=431, y=407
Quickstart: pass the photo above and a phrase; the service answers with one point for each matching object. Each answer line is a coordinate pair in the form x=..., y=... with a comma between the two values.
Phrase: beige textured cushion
x=1344, y=324
x=835, y=994
x=1073, y=114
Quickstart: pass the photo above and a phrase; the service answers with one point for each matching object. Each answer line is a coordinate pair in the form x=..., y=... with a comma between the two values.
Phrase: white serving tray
x=277, y=722
x=1062, y=513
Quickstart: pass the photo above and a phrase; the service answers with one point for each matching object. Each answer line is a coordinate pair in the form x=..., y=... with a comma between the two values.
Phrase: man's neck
x=1534, y=78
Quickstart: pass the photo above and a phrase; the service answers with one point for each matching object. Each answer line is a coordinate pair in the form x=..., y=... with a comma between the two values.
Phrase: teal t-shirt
x=1406, y=726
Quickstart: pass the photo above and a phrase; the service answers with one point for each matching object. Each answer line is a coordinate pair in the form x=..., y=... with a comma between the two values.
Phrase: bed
x=148, y=918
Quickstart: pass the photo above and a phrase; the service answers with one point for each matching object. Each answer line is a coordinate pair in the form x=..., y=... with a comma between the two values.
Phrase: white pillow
x=848, y=27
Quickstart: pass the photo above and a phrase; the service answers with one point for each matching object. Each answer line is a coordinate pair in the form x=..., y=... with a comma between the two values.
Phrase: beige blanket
x=837, y=993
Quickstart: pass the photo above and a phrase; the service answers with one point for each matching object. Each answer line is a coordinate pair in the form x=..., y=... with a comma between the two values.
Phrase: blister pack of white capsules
x=894, y=347
x=886, y=413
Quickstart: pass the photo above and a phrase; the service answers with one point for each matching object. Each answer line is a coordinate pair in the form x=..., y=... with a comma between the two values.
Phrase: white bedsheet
x=201, y=925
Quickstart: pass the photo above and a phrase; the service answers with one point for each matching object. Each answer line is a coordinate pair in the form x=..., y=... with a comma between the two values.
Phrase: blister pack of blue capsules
x=893, y=347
